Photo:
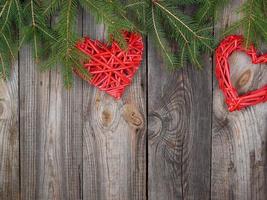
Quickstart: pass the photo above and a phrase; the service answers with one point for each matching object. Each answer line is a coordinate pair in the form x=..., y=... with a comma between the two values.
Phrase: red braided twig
x=224, y=50
x=111, y=67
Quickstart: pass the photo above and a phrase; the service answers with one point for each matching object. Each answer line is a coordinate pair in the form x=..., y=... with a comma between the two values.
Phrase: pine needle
x=179, y=36
x=252, y=22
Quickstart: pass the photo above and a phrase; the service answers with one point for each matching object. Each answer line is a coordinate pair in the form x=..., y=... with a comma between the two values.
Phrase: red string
x=111, y=67
x=224, y=50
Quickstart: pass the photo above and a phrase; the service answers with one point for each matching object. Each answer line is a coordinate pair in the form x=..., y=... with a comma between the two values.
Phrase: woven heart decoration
x=233, y=100
x=112, y=68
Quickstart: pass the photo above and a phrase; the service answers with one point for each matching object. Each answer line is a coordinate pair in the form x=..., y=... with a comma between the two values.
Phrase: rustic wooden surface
x=9, y=137
x=179, y=131
x=114, y=137
x=169, y=137
x=239, y=151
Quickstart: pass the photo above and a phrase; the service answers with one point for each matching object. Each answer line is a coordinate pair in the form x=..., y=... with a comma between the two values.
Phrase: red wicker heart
x=232, y=98
x=111, y=67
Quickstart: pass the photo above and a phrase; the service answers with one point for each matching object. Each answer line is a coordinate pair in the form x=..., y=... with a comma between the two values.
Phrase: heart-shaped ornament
x=233, y=100
x=112, y=68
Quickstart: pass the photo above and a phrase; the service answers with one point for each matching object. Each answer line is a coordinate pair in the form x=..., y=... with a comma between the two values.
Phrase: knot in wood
x=155, y=125
x=243, y=79
x=132, y=116
x=106, y=117
x=5, y=109
x=1, y=108
x=235, y=101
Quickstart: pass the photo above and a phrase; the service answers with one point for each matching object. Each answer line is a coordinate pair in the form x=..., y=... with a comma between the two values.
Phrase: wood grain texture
x=169, y=137
x=51, y=133
x=114, y=144
x=239, y=138
x=9, y=137
x=179, y=131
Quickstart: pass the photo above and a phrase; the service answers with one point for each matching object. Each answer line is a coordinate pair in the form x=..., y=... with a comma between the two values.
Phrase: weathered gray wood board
x=239, y=138
x=50, y=133
x=114, y=137
x=179, y=131
x=9, y=137
x=169, y=137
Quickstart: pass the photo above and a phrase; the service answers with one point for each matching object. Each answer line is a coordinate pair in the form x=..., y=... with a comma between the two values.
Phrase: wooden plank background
x=169, y=137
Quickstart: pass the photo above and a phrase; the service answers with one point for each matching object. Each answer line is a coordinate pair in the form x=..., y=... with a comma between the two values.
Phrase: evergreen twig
x=164, y=21
x=252, y=22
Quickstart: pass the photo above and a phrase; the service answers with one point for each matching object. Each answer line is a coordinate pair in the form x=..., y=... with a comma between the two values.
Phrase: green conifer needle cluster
x=50, y=27
x=253, y=22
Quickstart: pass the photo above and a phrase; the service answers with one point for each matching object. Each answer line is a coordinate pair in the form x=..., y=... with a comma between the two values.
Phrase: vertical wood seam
x=211, y=110
x=82, y=130
x=182, y=150
x=146, y=93
x=80, y=167
x=19, y=125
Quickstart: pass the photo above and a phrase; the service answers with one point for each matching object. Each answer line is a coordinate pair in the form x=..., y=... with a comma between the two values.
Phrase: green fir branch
x=10, y=14
x=160, y=37
x=113, y=15
x=179, y=36
x=191, y=37
x=252, y=22
x=208, y=10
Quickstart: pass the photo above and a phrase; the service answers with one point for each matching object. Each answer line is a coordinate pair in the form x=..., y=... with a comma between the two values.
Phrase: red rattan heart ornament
x=233, y=100
x=112, y=68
